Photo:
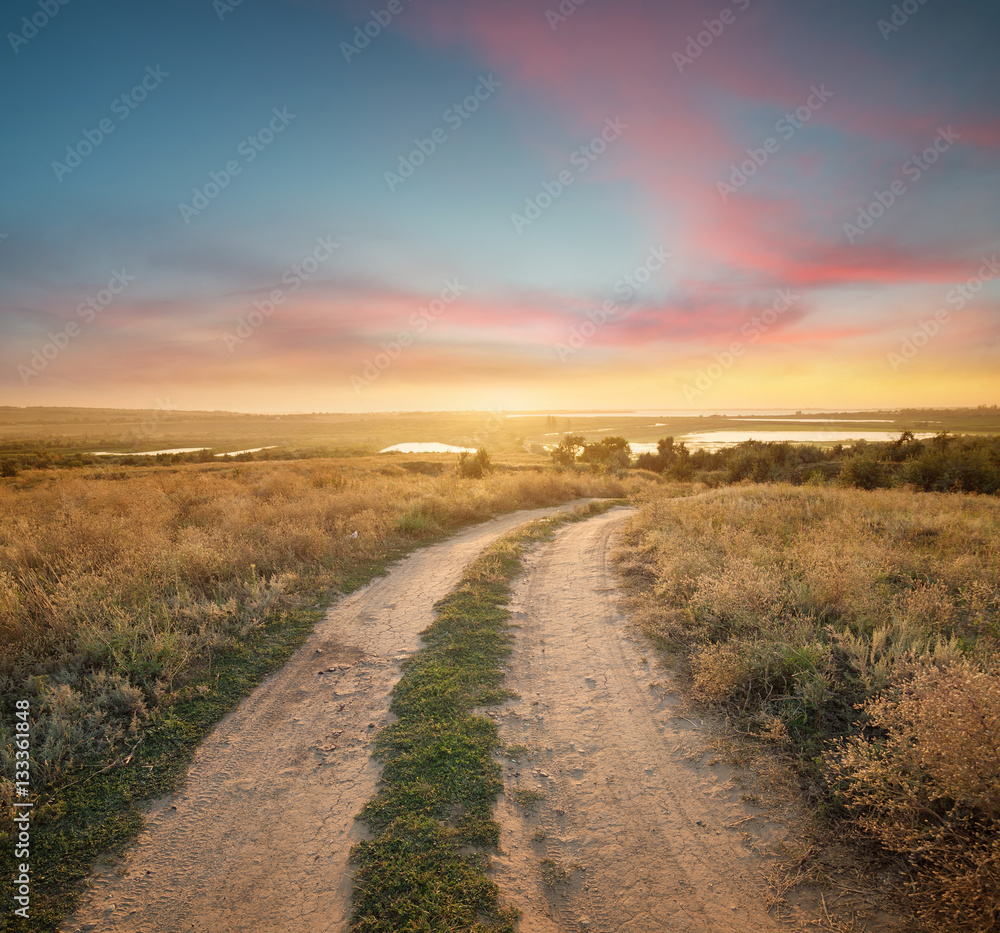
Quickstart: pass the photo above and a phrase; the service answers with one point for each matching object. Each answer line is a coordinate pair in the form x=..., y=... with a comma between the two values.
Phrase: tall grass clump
x=924, y=780
x=861, y=631
x=137, y=607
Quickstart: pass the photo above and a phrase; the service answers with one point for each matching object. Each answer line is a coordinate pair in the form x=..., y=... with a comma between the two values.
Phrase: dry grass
x=861, y=631
x=928, y=787
x=116, y=587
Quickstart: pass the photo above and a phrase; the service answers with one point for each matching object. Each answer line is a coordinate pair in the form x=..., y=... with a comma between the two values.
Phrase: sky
x=314, y=205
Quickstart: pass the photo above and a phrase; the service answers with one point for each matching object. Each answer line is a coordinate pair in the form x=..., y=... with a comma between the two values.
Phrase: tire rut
x=630, y=836
x=259, y=836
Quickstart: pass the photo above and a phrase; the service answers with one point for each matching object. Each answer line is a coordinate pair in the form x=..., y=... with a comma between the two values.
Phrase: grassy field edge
x=854, y=634
x=96, y=811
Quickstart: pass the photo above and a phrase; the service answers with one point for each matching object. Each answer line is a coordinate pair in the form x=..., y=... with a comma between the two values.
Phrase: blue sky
x=548, y=87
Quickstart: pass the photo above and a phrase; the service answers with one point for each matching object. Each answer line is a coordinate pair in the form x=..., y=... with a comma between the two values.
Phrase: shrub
x=475, y=466
x=743, y=672
x=925, y=782
x=609, y=453
x=863, y=471
x=416, y=522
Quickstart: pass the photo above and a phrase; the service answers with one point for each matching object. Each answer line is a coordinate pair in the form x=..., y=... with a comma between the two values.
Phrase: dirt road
x=631, y=836
x=637, y=838
x=259, y=837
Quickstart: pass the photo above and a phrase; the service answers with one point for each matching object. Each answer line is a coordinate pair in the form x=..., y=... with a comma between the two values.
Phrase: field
x=853, y=631
x=138, y=607
x=67, y=432
x=859, y=632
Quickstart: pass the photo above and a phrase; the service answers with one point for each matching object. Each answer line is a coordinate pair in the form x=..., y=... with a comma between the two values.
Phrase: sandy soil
x=637, y=831
x=259, y=837
x=641, y=826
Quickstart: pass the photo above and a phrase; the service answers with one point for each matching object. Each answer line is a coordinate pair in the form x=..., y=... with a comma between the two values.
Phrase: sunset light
x=248, y=205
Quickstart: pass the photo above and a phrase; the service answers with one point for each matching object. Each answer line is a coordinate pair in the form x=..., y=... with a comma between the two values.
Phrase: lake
x=427, y=448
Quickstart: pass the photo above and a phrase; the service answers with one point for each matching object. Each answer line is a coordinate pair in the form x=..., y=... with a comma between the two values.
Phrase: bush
x=475, y=466
x=941, y=464
x=863, y=471
x=925, y=782
x=741, y=673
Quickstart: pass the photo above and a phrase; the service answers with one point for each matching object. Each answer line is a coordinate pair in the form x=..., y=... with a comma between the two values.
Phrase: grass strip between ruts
x=425, y=867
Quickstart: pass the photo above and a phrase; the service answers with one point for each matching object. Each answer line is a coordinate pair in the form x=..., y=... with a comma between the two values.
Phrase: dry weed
x=114, y=587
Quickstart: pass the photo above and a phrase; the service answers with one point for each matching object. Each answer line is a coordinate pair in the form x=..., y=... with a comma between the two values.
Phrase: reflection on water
x=715, y=440
x=147, y=453
x=703, y=412
x=250, y=450
x=723, y=438
x=431, y=448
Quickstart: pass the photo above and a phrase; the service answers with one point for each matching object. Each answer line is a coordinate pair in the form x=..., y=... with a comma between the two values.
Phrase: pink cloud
x=617, y=60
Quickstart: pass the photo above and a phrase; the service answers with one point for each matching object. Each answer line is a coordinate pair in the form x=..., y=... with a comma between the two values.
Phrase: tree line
x=943, y=463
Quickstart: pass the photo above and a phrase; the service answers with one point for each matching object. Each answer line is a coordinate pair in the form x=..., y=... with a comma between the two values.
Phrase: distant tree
x=609, y=452
x=570, y=447
x=661, y=460
x=681, y=468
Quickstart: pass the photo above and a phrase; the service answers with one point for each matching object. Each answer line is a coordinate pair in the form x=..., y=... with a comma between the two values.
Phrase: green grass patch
x=527, y=799
x=441, y=775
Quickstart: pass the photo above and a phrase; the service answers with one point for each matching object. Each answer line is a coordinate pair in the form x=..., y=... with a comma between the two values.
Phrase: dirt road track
x=258, y=839
x=638, y=838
